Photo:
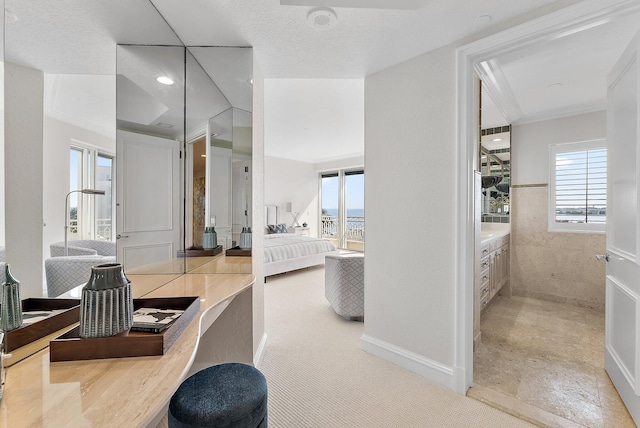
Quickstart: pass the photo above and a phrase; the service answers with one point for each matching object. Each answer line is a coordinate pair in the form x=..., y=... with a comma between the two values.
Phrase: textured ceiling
x=79, y=37
x=361, y=42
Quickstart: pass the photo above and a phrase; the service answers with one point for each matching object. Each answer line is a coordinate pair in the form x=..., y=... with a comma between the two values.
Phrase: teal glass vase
x=11, y=309
x=210, y=239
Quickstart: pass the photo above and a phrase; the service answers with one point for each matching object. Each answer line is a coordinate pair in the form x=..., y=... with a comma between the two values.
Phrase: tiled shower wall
x=559, y=267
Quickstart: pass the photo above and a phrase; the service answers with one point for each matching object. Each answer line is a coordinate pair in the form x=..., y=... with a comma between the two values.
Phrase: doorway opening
x=556, y=28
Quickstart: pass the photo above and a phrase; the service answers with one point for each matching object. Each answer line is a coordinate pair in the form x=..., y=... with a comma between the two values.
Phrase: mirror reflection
x=61, y=99
x=151, y=127
x=156, y=122
x=2, y=246
x=61, y=125
x=495, y=165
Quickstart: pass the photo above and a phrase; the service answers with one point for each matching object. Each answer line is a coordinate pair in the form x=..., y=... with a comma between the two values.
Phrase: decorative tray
x=200, y=252
x=237, y=251
x=67, y=312
x=70, y=346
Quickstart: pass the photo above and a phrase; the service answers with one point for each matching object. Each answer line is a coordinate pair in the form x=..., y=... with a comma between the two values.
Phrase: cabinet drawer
x=485, y=263
x=485, y=250
x=484, y=293
x=484, y=278
x=484, y=302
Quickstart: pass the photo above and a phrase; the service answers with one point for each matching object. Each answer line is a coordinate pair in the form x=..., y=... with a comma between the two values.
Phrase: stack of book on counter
x=154, y=320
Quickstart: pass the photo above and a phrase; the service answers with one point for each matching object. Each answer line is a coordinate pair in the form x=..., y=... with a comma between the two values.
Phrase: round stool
x=225, y=395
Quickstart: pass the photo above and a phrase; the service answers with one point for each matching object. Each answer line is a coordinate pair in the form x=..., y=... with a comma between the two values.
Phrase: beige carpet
x=318, y=376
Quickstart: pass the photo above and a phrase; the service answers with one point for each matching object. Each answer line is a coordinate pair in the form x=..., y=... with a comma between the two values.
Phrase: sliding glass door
x=330, y=207
x=354, y=210
x=342, y=205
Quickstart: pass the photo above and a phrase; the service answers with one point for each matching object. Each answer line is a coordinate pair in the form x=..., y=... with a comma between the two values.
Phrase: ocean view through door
x=342, y=205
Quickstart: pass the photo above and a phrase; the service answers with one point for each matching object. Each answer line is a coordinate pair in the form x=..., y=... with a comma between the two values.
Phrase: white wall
x=257, y=205
x=296, y=182
x=409, y=200
x=57, y=143
x=530, y=143
x=354, y=162
x=24, y=88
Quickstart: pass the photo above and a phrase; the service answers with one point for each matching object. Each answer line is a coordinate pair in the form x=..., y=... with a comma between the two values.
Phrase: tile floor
x=544, y=362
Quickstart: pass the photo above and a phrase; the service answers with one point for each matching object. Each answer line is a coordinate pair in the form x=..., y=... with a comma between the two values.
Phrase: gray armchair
x=66, y=272
x=84, y=247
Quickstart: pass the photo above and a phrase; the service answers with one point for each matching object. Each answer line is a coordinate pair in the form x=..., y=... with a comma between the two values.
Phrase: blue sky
x=354, y=196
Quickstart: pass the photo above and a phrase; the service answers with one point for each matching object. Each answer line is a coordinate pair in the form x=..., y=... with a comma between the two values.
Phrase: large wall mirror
x=494, y=160
x=89, y=114
x=495, y=165
x=2, y=217
x=184, y=129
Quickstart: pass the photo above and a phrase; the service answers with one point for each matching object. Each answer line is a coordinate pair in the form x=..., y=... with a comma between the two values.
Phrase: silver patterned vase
x=106, y=304
x=245, y=238
x=210, y=239
x=11, y=309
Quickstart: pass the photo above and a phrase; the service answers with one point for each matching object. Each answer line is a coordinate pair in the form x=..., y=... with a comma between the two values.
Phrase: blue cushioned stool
x=226, y=395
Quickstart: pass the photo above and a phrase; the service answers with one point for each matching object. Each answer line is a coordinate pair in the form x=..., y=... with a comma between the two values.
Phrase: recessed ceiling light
x=164, y=125
x=497, y=139
x=165, y=80
x=482, y=20
x=321, y=17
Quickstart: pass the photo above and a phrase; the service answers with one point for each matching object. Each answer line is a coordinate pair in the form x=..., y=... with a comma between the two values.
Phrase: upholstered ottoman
x=344, y=284
x=225, y=396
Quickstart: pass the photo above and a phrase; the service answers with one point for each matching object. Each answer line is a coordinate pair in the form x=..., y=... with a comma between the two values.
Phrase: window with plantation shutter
x=578, y=187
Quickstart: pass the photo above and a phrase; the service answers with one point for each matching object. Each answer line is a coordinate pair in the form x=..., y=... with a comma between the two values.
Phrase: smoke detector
x=321, y=17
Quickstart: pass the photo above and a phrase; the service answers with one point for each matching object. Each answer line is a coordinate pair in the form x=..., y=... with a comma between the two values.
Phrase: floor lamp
x=66, y=212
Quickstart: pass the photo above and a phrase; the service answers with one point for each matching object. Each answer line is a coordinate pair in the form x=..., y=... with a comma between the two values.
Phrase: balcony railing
x=103, y=229
x=354, y=232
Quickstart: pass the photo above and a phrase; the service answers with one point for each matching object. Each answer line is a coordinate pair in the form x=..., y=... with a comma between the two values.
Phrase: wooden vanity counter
x=132, y=392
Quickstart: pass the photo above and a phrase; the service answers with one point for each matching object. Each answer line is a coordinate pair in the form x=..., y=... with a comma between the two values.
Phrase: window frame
x=87, y=213
x=571, y=147
x=341, y=174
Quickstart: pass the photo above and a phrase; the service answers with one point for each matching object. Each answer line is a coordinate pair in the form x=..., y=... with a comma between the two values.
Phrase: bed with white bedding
x=284, y=252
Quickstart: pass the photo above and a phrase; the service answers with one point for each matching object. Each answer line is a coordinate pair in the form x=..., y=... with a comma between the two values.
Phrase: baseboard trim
x=423, y=366
x=259, y=355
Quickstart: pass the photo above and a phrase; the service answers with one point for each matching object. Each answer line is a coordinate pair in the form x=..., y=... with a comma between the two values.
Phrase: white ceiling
x=561, y=76
x=79, y=37
x=314, y=120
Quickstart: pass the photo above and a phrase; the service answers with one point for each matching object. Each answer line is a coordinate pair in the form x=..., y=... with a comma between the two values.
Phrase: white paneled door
x=148, y=201
x=622, y=331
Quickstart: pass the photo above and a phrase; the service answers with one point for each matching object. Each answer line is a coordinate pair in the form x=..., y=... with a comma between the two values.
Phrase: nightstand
x=302, y=231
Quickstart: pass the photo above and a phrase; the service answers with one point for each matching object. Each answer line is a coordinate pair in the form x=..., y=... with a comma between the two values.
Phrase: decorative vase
x=245, y=237
x=11, y=309
x=210, y=238
x=106, y=304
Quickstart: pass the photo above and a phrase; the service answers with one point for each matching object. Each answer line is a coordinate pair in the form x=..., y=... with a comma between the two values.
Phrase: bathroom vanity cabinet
x=492, y=275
